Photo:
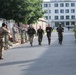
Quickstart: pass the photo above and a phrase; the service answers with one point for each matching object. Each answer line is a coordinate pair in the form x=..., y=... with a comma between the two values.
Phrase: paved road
x=47, y=59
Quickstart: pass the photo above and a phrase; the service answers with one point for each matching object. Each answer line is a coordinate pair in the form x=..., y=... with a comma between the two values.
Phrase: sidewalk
x=14, y=45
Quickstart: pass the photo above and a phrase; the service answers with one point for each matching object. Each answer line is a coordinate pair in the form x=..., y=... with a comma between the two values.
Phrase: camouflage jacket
x=3, y=32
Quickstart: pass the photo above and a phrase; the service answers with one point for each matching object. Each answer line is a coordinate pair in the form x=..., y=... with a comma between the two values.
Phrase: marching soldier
x=6, y=39
x=60, y=31
x=75, y=31
x=31, y=31
x=49, y=31
x=3, y=31
x=40, y=35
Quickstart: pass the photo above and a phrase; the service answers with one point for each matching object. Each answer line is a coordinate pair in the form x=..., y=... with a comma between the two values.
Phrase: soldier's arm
x=34, y=31
x=43, y=31
x=5, y=30
x=57, y=29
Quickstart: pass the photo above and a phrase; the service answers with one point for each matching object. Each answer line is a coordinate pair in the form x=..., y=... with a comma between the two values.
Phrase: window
x=49, y=11
x=72, y=4
x=56, y=11
x=56, y=5
x=56, y=24
x=67, y=23
x=49, y=5
x=67, y=11
x=73, y=17
x=46, y=17
x=72, y=23
x=49, y=17
x=72, y=10
x=56, y=17
x=61, y=11
x=61, y=17
x=61, y=4
x=67, y=17
x=67, y=4
x=45, y=5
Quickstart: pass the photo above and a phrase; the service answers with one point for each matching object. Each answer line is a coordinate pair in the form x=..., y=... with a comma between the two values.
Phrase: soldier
x=49, y=31
x=14, y=29
x=60, y=31
x=6, y=40
x=40, y=35
x=75, y=31
x=31, y=31
x=3, y=31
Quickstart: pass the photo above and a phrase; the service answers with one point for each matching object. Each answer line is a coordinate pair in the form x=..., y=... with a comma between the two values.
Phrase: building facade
x=60, y=11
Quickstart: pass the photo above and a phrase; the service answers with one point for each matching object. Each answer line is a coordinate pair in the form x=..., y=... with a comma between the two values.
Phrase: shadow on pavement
x=57, y=60
x=16, y=62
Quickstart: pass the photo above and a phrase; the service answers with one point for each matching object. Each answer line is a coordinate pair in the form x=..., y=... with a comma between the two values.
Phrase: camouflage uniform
x=60, y=31
x=40, y=35
x=75, y=31
x=31, y=32
x=2, y=32
x=49, y=31
x=5, y=41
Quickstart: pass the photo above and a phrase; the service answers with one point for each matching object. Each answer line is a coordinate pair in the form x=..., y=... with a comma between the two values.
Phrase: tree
x=12, y=9
x=25, y=11
x=36, y=11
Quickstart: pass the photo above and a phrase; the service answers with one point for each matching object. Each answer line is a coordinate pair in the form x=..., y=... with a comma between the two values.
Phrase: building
x=60, y=11
x=41, y=22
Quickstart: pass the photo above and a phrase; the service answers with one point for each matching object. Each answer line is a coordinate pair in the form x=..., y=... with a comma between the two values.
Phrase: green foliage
x=25, y=11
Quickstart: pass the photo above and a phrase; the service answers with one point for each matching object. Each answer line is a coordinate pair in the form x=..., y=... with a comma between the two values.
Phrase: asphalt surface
x=46, y=59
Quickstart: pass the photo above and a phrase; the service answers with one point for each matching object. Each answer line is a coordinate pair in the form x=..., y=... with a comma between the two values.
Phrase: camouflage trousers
x=60, y=38
x=49, y=38
x=40, y=39
x=31, y=39
x=1, y=46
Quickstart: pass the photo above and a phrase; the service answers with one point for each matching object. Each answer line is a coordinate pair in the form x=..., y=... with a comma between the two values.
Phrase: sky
x=62, y=0
x=46, y=0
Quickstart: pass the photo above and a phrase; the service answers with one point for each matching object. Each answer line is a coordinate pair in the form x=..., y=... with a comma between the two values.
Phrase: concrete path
x=47, y=59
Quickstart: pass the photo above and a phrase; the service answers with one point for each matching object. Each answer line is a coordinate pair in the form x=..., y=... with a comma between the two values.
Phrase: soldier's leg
x=49, y=39
x=40, y=40
x=1, y=52
x=1, y=46
x=31, y=40
x=6, y=46
x=6, y=42
x=60, y=39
